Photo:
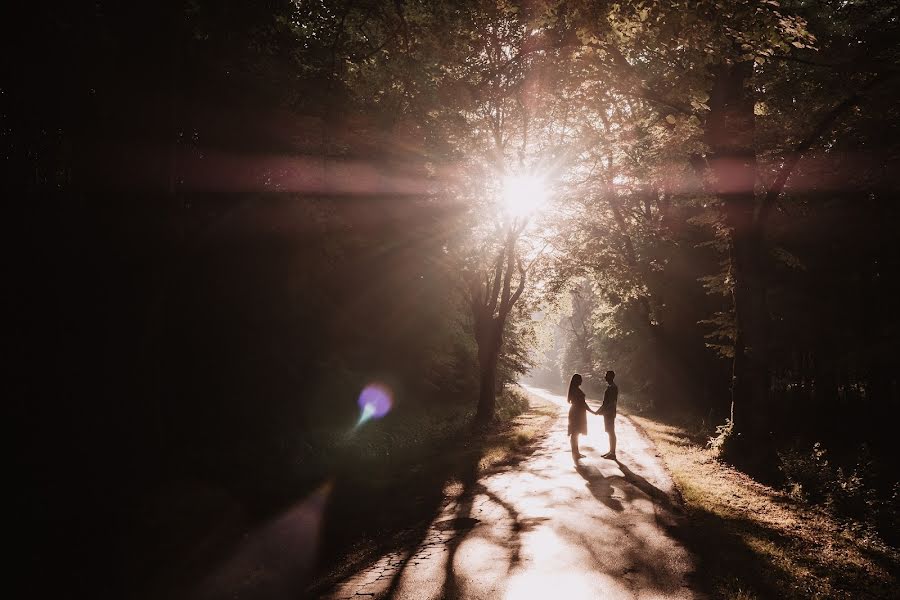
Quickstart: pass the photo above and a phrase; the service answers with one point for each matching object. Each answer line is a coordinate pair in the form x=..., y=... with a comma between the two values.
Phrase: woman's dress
x=578, y=413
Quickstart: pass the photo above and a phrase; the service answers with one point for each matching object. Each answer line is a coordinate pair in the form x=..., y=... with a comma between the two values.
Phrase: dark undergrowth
x=855, y=481
x=348, y=493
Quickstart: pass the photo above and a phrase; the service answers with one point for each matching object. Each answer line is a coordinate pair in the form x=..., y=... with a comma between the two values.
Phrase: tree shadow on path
x=600, y=486
x=410, y=534
x=452, y=588
x=664, y=499
x=642, y=556
x=405, y=510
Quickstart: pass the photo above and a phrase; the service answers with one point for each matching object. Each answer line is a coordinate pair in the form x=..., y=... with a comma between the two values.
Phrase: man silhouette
x=608, y=410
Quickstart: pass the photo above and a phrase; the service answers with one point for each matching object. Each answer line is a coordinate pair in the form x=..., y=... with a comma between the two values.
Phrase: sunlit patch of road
x=547, y=528
x=546, y=395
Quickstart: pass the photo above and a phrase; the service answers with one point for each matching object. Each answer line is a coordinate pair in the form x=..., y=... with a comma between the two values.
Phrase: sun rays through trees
x=231, y=220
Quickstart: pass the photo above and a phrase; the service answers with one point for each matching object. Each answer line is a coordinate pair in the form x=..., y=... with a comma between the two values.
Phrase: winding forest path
x=548, y=529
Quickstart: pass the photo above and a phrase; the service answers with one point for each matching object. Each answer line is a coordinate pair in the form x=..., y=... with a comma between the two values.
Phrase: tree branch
x=520, y=288
x=818, y=131
x=507, y=277
x=495, y=284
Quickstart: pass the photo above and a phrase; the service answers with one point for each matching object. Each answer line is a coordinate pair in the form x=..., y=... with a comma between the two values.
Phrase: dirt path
x=547, y=529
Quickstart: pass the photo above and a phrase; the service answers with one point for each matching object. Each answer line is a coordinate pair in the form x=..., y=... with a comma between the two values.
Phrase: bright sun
x=523, y=195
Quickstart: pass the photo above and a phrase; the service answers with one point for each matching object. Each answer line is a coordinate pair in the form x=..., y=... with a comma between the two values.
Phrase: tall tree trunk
x=750, y=376
x=487, y=382
x=733, y=165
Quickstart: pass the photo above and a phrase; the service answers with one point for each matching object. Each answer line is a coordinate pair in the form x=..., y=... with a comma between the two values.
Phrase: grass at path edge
x=755, y=542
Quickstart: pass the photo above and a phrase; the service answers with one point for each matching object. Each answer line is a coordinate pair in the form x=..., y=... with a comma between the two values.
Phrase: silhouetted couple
x=579, y=409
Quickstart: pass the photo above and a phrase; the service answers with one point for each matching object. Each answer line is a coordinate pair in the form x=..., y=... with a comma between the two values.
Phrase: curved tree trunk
x=492, y=299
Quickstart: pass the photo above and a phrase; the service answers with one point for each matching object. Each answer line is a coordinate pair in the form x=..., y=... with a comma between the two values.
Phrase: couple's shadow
x=602, y=486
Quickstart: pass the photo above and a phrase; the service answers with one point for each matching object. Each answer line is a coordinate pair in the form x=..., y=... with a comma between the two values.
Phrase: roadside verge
x=753, y=541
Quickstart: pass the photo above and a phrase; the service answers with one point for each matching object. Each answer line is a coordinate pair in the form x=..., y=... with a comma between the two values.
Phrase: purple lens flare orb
x=374, y=401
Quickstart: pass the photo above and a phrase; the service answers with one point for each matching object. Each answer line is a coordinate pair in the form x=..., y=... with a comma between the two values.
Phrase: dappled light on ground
x=545, y=528
x=540, y=586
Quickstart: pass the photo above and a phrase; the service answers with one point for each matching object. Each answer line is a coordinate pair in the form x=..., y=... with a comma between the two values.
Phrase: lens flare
x=374, y=402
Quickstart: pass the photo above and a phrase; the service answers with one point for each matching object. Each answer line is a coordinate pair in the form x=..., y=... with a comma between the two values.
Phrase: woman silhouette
x=577, y=414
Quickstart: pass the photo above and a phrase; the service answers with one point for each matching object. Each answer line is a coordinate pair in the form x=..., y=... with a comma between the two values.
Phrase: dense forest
x=228, y=217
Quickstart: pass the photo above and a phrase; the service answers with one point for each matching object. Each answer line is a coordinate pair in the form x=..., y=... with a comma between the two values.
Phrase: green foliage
x=403, y=434
x=511, y=402
x=722, y=442
x=516, y=356
x=721, y=338
x=853, y=491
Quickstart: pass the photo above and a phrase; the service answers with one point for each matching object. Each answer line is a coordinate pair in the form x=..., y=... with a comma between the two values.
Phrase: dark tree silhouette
x=492, y=297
